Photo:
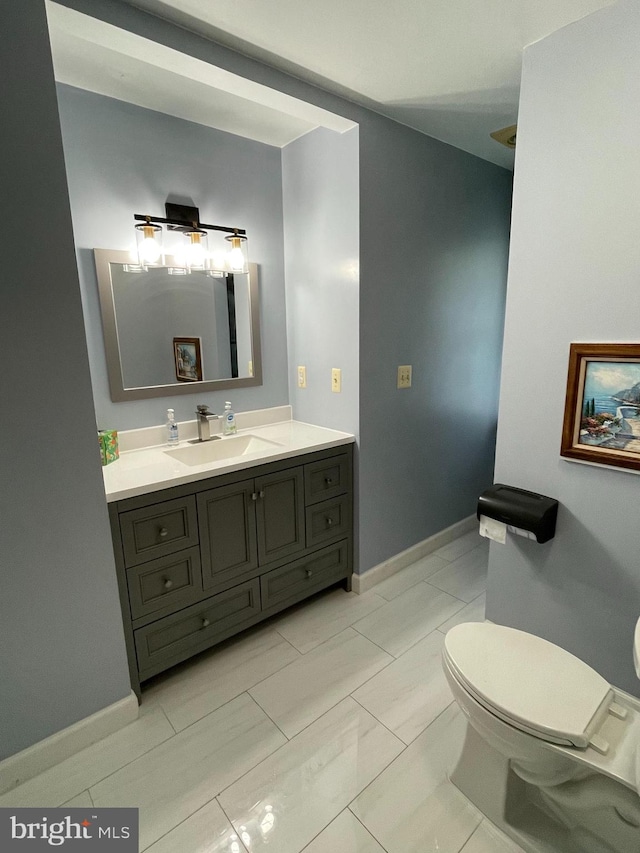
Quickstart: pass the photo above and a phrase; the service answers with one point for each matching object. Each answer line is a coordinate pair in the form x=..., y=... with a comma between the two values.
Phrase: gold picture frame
x=602, y=407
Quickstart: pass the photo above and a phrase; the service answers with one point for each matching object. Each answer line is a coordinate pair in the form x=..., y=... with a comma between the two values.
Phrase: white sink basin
x=217, y=450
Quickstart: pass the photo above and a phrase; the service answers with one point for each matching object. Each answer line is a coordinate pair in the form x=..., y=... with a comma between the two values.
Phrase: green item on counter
x=108, y=440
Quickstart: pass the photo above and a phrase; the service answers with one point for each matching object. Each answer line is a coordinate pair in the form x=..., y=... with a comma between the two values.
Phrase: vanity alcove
x=223, y=549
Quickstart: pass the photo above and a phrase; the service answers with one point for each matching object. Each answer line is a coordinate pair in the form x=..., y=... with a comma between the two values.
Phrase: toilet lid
x=527, y=681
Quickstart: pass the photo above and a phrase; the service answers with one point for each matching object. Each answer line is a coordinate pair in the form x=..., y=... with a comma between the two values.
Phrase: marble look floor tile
x=313, y=622
x=222, y=674
x=175, y=779
x=460, y=546
x=488, y=839
x=84, y=769
x=411, y=692
x=82, y=801
x=345, y=834
x=284, y=802
x=473, y=612
x=411, y=807
x=206, y=831
x=409, y=576
x=408, y=618
x=466, y=578
x=302, y=691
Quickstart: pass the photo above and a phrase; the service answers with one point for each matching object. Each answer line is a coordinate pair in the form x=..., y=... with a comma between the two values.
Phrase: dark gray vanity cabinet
x=250, y=524
x=198, y=563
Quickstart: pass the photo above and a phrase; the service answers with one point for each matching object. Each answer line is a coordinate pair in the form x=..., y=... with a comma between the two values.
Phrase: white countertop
x=150, y=469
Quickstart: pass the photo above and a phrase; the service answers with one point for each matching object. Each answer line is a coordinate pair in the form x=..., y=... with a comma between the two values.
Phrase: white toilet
x=552, y=752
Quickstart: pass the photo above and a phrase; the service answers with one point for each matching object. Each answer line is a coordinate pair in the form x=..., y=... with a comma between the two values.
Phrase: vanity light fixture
x=149, y=244
x=195, y=254
x=237, y=256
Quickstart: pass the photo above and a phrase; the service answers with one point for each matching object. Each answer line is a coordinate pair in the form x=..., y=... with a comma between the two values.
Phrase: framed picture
x=602, y=409
x=188, y=359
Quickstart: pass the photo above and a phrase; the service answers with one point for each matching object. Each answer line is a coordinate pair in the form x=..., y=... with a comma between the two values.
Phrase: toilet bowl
x=553, y=752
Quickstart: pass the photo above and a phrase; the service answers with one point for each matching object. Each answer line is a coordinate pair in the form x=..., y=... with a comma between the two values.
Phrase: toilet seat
x=529, y=683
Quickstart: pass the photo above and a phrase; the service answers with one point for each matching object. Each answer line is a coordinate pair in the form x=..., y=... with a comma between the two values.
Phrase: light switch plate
x=302, y=376
x=404, y=376
x=336, y=379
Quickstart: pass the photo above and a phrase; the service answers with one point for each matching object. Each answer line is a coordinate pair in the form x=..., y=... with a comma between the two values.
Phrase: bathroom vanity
x=205, y=549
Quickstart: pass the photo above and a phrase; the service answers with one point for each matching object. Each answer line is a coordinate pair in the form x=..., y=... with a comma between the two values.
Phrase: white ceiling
x=449, y=68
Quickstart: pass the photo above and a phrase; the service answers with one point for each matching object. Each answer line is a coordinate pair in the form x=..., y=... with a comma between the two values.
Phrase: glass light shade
x=237, y=260
x=218, y=250
x=196, y=254
x=149, y=245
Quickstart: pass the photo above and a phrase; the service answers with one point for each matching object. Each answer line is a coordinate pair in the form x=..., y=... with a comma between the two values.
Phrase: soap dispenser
x=171, y=429
x=229, y=420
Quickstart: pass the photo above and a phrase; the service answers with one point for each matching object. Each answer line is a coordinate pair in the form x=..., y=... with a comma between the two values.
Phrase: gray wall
x=574, y=270
x=122, y=159
x=321, y=222
x=433, y=258
x=63, y=654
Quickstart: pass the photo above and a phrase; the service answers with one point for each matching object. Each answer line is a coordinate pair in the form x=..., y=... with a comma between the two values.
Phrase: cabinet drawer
x=176, y=637
x=166, y=584
x=326, y=478
x=297, y=580
x=159, y=529
x=328, y=520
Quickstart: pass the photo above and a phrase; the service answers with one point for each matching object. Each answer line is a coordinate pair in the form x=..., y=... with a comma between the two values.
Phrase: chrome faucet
x=204, y=423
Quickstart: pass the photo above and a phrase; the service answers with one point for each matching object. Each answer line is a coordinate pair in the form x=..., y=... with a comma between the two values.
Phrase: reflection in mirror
x=167, y=333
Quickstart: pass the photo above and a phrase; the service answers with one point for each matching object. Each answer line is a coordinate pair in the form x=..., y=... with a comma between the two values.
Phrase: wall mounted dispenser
x=524, y=513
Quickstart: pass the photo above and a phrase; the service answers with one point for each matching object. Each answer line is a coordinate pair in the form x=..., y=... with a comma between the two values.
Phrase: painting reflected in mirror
x=171, y=332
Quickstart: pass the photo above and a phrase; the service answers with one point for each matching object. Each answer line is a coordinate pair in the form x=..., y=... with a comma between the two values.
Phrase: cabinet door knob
x=309, y=573
x=261, y=493
x=328, y=522
x=168, y=583
x=328, y=481
x=205, y=622
x=163, y=532
x=254, y=496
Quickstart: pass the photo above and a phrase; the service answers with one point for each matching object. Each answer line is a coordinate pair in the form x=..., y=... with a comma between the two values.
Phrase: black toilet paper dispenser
x=521, y=510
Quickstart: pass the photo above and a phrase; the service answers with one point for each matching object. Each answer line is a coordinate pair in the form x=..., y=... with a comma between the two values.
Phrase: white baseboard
x=63, y=744
x=362, y=583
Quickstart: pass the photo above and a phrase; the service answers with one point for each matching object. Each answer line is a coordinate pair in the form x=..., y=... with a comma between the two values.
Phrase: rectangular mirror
x=168, y=333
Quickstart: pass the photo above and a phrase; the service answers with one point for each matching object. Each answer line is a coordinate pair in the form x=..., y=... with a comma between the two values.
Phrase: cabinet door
x=280, y=514
x=227, y=519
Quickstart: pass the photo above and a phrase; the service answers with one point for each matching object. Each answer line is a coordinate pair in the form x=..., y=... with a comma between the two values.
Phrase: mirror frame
x=119, y=394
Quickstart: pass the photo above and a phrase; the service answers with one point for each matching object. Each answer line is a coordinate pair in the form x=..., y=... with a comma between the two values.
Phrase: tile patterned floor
x=330, y=729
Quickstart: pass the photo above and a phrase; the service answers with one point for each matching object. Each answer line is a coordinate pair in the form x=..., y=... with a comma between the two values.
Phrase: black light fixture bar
x=182, y=223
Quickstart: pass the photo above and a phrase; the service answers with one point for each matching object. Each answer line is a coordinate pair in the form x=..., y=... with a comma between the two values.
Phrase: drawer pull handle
x=163, y=532
x=328, y=522
x=205, y=622
x=328, y=481
x=168, y=583
x=309, y=573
